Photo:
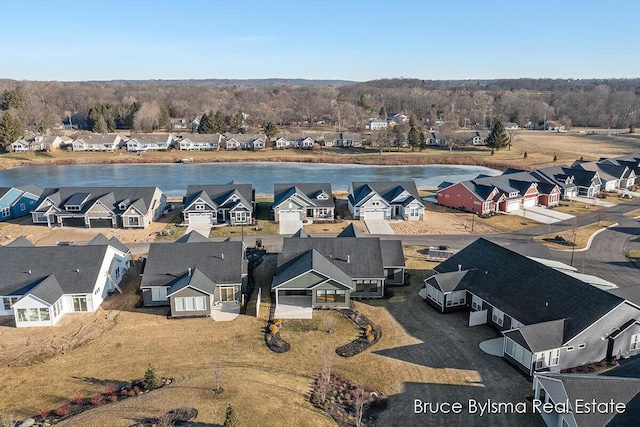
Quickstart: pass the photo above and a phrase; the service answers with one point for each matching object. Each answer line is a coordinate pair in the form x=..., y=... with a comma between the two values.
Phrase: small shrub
x=136, y=390
x=273, y=329
x=110, y=389
x=151, y=380
x=368, y=328
x=62, y=410
x=370, y=337
x=76, y=397
x=113, y=398
x=231, y=418
x=96, y=399
x=277, y=322
x=42, y=413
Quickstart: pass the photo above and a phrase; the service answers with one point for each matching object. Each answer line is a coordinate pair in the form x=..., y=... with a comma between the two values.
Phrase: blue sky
x=363, y=40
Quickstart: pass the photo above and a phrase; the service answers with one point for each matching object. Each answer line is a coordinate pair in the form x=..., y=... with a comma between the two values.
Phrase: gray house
x=40, y=284
x=111, y=207
x=216, y=204
x=303, y=201
x=323, y=272
x=385, y=200
x=195, y=276
x=549, y=319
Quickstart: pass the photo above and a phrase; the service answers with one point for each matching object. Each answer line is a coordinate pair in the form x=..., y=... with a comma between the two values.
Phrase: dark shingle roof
x=195, y=279
x=351, y=231
x=539, y=336
x=392, y=254
x=601, y=389
x=218, y=194
x=529, y=290
x=282, y=192
x=387, y=189
x=76, y=268
x=48, y=290
x=222, y=262
x=111, y=196
x=358, y=257
x=191, y=237
x=20, y=242
x=300, y=233
x=307, y=261
x=451, y=281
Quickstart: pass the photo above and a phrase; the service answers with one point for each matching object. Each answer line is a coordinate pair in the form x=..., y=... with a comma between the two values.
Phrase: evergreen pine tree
x=100, y=125
x=414, y=137
x=205, y=125
x=383, y=113
x=423, y=141
x=270, y=129
x=498, y=137
x=10, y=130
x=231, y=419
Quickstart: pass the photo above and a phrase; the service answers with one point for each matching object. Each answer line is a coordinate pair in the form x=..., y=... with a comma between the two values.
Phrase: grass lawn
x=582, y=235
x=416, y=259
x=507, y=222
x=632, y=214
x=576, y=208
x=333, y=228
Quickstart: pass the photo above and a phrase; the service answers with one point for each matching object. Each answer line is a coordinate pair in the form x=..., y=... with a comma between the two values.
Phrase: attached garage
x=377, y=214
x=200, y=218
x=100, y=223
x=530, y=202
x=290, y=216
x=73, y=222
x=513, y=205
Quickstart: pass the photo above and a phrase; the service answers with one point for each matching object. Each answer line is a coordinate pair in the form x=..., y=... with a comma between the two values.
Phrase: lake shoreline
x=386, y=159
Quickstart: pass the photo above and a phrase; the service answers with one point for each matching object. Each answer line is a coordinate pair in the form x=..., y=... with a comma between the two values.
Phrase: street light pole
x=573, y=248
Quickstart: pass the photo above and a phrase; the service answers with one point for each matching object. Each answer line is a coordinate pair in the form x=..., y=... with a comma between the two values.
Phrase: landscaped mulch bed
x=370, y=334
x=112, y=393
x=275, y=342
x=341, y=401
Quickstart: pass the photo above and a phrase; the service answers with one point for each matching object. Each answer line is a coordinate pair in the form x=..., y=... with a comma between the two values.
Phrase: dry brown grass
x=416, y=260
x=274, y=384
x=633, y=213
x=333, y=228
x=576, y=208
x=582, y=235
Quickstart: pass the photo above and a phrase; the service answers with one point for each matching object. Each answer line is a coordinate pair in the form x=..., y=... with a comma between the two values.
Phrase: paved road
x=606, y=257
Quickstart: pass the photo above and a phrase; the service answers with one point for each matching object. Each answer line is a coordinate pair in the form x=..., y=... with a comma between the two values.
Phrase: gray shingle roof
x=358, y=257
x=451, y=281
x=529, y=290
x=20, y=242
x=311, y=190
x=602, y=389
x=219, y=193
x=392, y=254
x=111, y=196
x=300, y=233
x=307, y=261
x=191, y=237
x=540, y=336
x=197, y=280
x=222, y=262
x=351, y=231
x=76, y=268
x=387, y=189
x=48, y=290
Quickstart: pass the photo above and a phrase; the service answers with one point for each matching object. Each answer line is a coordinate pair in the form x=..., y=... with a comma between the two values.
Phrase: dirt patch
x=441, y=223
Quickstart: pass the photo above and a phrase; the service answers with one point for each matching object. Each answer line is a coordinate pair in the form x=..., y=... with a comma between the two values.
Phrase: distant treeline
x=149, y=105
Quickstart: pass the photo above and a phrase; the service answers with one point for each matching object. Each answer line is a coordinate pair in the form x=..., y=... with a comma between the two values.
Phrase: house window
x=331, y=296
x=22, y=206
x=57, y=308
x=581, y=346
x=199, y=207
x=476, y=303
x=227, y=294
x=497, y=316
x=8, y=302
x=79, y=303
x=367, y=286
x=5, y=212
x=159, y=294
x=635, y=342
x=241, y=216
x=571, y=348
x=510, y=347
x=190, y=303
x=133, y=220
x=323, y=212
x=414, y=212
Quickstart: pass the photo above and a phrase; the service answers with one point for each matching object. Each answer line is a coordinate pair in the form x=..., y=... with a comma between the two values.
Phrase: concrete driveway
x=596, y=202
x=378, y=226
x=542, y=214
x=203, y=229
x=289, y=226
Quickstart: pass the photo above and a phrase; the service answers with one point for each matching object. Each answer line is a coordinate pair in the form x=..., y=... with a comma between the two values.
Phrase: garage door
x=373, y=215
x=101, y=223
x=199, y=218
x=530, y=202
x=73, y=222
x=512, y=206
x=290, y=216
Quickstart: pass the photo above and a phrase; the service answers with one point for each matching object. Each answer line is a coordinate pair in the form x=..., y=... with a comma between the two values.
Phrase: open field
x=539, y=146
x=581, y=238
